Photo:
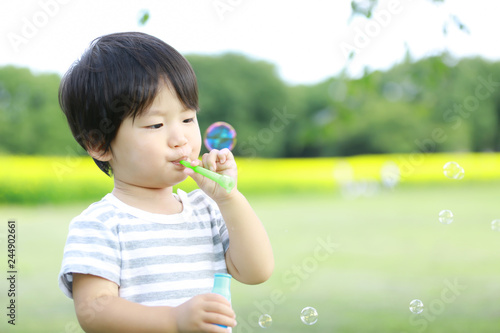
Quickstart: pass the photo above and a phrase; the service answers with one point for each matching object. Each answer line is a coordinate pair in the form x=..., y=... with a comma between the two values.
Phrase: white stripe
x=154, y=235
x=168, y=302
x=162, y=287
x=89, y=248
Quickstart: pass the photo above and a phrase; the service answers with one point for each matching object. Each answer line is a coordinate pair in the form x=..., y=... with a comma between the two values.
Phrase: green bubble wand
x=224, y=181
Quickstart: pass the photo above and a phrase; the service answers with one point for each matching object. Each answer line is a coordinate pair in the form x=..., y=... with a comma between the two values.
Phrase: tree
x=31, y=121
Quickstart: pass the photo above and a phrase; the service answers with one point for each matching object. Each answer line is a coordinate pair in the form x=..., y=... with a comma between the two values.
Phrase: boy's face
x=146, y=151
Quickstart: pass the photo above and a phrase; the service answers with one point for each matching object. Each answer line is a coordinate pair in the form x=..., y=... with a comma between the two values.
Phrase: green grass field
x=358, y=261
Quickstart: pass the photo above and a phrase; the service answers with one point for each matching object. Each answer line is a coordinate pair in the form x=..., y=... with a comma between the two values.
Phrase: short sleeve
x=218, y=220
x=224, y=236
x=92, y=247
x=201, y=202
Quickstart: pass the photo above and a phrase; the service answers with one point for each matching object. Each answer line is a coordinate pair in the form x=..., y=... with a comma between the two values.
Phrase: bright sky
x=304, y=39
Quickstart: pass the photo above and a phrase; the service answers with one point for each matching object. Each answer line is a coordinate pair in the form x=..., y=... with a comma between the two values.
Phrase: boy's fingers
x=196, y=177
x=215, y=318
x=217, y=298
x=222, y=155
x=210, y=159
x=215, y=156
x=221, y=309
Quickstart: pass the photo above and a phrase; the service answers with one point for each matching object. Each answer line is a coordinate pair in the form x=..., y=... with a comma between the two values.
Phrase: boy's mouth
x=177, y=161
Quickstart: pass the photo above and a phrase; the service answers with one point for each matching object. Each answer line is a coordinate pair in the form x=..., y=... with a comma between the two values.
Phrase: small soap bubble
x=219, y=135
x=390, y=174
x=309, y=315
x=495, y=225
x=416, y=306
x=453, y=170
x=445, y=216
x=265, y=321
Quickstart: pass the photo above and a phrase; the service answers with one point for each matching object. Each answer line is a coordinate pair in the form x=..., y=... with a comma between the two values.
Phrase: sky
x=307, y=41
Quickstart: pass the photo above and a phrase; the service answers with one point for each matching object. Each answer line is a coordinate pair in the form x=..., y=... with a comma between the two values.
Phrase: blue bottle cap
x=222, y=286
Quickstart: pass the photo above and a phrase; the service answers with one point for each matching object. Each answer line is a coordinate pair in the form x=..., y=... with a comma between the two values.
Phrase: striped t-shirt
x=155, y=259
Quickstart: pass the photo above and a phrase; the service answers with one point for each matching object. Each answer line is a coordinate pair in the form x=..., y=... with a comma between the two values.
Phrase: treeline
x=432, y=105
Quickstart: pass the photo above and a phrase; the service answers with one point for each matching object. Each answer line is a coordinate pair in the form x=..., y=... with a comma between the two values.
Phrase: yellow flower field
x=37, y=179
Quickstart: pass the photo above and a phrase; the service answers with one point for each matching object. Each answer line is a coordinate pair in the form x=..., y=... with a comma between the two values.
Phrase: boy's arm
x=100, y=309
x=249, y=258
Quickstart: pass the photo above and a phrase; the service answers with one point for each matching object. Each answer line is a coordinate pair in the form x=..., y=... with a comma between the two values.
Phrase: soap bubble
x=416, y=306
x=220, y=135
x=445, y=216
x=265, y=321
x=309, y=315
x=453, y=171
x=495, y=225
x=390, y=174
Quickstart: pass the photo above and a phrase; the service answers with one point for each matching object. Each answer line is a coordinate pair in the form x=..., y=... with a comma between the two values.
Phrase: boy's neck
x=152, y=200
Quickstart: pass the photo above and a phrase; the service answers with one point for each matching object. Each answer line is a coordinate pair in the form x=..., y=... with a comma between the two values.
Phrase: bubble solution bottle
x=222, y=286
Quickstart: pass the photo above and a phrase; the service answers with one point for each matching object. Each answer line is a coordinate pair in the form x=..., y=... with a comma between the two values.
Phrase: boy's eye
x=155, y=126
x=190, y=120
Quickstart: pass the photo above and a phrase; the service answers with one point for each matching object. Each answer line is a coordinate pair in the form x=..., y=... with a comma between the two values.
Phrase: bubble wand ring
x=224, y=181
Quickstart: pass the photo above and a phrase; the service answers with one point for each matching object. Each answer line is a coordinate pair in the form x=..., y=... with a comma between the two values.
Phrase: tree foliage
x=437, y=104
x=30, y=119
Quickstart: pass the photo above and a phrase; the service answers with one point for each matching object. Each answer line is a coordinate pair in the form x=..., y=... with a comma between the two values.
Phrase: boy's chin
x=174, y=181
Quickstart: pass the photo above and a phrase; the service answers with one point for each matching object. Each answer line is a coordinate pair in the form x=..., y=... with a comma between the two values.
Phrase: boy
x=143, y=258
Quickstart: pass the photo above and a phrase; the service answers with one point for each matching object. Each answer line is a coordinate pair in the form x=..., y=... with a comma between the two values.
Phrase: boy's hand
x=220, y=161
x=202, y=312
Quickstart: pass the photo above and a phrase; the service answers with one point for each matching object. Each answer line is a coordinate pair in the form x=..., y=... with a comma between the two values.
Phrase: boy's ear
x=98, y=153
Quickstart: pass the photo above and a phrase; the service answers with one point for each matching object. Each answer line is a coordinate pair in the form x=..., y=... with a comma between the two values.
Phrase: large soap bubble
x=220, y=135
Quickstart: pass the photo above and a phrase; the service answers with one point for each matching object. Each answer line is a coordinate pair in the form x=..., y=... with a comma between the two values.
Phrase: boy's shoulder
x=193, y=196
x=101, y=211
x=197, y=199
x=110, y=212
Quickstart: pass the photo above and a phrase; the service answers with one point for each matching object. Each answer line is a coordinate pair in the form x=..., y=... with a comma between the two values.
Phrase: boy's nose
x=177, y=139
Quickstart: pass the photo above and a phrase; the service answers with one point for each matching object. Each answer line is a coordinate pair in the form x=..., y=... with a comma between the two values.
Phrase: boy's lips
x=177, y=161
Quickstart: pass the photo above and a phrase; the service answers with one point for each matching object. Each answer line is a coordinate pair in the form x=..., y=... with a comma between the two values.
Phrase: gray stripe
x=114, y=213
x=169, y=277
x=196, y=197
x=172, y=259
x=93, y=241
x=85, y=269
x=225, y=244
x=92, y=226
x=191, y=241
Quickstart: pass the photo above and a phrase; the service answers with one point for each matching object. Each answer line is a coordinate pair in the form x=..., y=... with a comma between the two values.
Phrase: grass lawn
x=358, y=261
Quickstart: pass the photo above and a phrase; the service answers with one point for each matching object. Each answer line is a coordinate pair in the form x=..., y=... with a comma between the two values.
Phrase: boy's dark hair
x=119, y=76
